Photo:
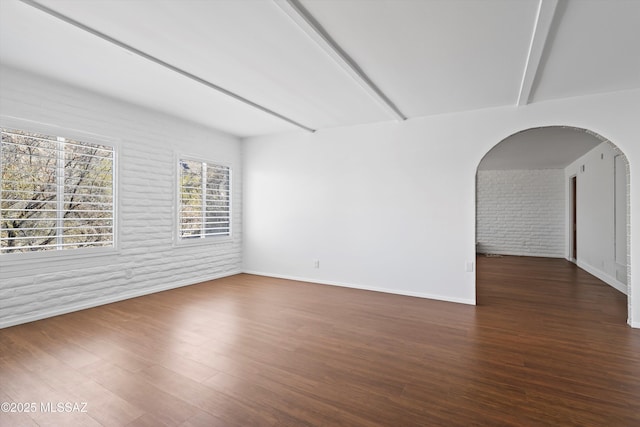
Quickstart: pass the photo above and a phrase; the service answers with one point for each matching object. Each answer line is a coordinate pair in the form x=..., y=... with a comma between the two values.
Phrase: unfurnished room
x=319, y=213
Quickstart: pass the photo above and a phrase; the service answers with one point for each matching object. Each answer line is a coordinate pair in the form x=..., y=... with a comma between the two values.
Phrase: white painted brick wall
x=617, y=150
x=148, y=261
x=521, y=212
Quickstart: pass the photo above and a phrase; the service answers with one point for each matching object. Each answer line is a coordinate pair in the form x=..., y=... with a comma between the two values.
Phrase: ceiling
x=552, y=147
x=257, y=67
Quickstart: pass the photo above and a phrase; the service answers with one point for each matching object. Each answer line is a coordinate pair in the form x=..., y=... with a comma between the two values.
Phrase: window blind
x=205, y=200
x=55, y=193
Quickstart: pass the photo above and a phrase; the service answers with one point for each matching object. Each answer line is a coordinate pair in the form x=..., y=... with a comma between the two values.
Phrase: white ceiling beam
x=308, y=24
x=541, y=30
x=164, y=64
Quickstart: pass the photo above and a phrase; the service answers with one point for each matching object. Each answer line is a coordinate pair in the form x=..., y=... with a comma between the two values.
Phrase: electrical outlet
x=316, y=263
x=469, y=266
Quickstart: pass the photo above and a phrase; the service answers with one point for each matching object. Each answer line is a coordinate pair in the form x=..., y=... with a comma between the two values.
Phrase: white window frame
x=63, y=259
x=202, y=240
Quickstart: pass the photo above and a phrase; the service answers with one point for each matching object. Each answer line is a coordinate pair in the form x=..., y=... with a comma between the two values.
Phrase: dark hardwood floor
x=547, y=344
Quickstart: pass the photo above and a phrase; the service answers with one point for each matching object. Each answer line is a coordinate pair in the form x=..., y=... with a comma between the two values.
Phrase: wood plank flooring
x=546, y=345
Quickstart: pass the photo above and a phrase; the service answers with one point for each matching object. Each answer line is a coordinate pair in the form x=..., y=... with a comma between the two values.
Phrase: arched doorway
x=559, y=192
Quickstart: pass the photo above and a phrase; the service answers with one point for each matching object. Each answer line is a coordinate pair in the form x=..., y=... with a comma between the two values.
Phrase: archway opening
x=560, y=193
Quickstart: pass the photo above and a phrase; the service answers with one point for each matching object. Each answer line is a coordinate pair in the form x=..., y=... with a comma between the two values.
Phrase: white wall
x=521, y=212
x=596, y=215
x=391, y=206
x=363, y=201
x=621, y=210
x=147, y=261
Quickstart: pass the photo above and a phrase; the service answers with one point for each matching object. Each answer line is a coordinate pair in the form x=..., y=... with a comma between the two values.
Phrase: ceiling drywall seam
x=307, y=23
x=541, y=30
x=164, y=64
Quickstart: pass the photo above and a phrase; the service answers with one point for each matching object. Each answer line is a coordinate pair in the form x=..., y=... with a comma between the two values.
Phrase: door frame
x=573, y=224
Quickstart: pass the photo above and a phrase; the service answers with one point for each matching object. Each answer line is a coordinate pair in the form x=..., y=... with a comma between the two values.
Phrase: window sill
x=25, y=264
x=198, y=241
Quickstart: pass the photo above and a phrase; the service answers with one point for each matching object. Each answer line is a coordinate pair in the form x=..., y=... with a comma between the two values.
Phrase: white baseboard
x=611, y=281
x=508, y=253
x=108, y=300
x=365, y=288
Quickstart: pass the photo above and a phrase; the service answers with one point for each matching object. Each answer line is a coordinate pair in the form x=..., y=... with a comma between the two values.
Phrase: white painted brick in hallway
x=521, y=212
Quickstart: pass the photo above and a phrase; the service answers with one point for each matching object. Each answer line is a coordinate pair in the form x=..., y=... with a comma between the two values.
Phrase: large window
x=204, y=200
x=55, y=193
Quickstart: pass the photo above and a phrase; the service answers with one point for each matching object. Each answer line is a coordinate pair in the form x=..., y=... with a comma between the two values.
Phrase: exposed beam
x=541, y=29
x=307, y=23
x=162, y=63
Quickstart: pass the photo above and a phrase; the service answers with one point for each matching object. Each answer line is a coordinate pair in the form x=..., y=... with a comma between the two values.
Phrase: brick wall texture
x=521, y=212
x=147, y=259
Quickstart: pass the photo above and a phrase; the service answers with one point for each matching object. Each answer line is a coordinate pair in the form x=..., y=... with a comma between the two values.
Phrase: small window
x=204, y=200
x=55, y=194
